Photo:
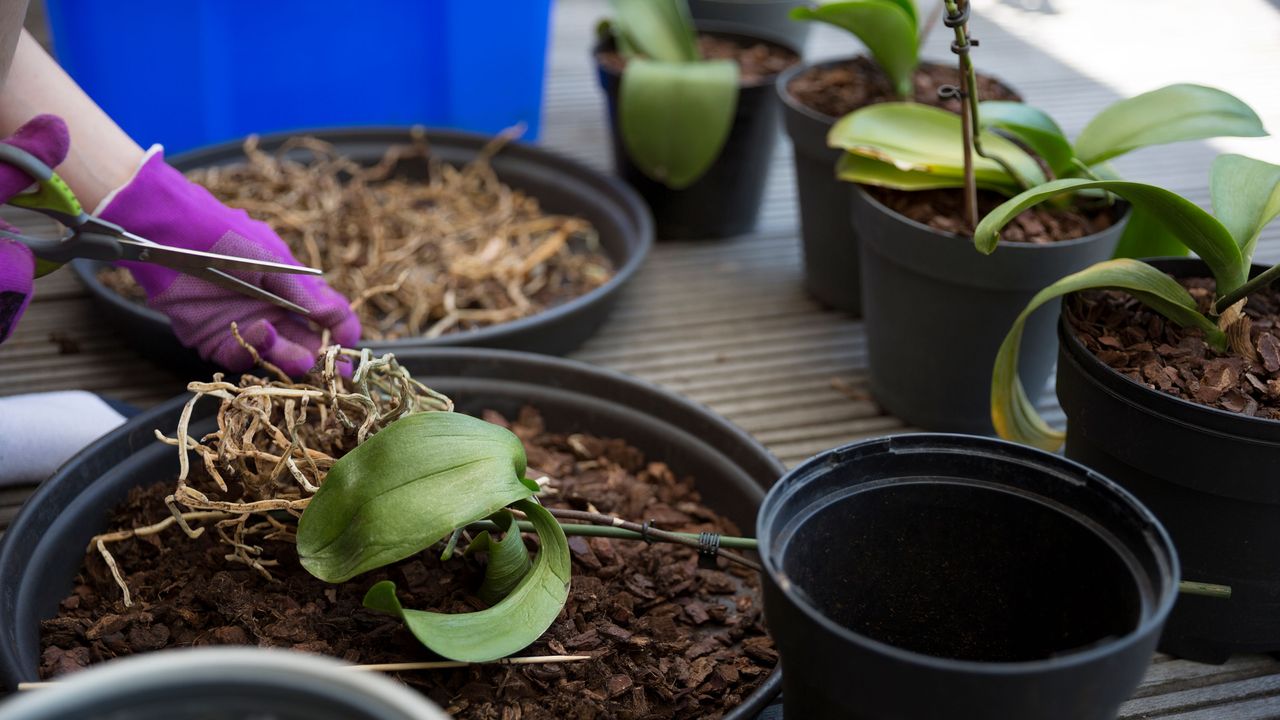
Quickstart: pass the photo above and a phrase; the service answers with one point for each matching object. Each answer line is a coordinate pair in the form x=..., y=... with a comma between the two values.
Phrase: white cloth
x=39, y=432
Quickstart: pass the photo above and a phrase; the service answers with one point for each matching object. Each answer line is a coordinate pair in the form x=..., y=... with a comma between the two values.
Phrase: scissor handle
x=52, y=196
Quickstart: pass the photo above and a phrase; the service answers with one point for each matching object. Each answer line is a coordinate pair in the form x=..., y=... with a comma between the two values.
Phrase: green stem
x=970, y=121
x=968, y=115
x=1187, y=587
x=1257, y=283
x=739, y=543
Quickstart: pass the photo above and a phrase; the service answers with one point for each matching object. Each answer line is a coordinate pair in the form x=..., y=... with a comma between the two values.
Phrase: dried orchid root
x=274, y=443
x=451, y=249
x=99, y=542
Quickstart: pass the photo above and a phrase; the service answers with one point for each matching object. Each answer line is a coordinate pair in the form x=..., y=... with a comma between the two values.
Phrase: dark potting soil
x=758, y=61
x=944, y=210
x=1140, y=344
x=839, y=89
x=671, y=640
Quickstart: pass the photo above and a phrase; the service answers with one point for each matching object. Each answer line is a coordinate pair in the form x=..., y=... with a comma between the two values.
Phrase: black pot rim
x=1011, y=246
x=1149, y=401
x=1159, y=610
x=715, y=27
x=792, y=102
x=753, y=703
x=636, y=208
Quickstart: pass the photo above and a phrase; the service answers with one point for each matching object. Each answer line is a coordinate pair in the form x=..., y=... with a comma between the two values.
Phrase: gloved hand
x=44, y=136
x=164, y=207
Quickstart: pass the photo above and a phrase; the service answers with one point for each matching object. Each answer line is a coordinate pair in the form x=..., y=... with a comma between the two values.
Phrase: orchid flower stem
x=1253, y=285
x=613, y=532
x=957, y=14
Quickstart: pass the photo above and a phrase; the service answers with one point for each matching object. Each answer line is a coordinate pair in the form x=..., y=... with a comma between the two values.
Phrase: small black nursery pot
x=1207, y=473
x=725, y=201
x=936, y=311
x=950, y=576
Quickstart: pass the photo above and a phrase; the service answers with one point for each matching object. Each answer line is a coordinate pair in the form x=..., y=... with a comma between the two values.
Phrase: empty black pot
x=725, y=201
x=1207, y=473
x=771, y=18
x=936, y=311
x=950, y=576
x=44, y=547
x=560, y=185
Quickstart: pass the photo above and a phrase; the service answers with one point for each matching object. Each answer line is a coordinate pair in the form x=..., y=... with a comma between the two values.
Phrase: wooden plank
x=1193, y=699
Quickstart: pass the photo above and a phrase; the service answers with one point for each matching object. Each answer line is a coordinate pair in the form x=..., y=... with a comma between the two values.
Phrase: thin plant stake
x=405, y=667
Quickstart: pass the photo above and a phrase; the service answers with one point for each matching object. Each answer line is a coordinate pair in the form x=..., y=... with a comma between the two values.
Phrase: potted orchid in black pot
x=692, y=113
x=1169, y=374
x=935, y=310
x=816, y=95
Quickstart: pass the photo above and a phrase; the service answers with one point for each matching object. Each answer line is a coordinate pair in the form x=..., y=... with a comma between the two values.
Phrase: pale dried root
x=274, y=443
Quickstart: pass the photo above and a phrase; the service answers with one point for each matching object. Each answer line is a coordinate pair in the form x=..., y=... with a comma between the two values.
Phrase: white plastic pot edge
x=174, y=668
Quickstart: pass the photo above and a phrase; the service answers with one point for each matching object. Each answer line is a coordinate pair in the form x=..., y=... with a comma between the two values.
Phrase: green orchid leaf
x=1194, y=228
x=508, y=559
x=869, y=171
x=676, y=117
x=657, y=29
x=1012, y=412
x=1170, y=114
x=1145, y=236
x=405, y=488
x=1246, y=196
x=886, y=27
x=507, y=627
x=1033, y=127
x=924, y=139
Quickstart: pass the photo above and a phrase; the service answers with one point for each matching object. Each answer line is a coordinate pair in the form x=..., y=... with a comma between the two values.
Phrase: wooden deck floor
x=728, y=324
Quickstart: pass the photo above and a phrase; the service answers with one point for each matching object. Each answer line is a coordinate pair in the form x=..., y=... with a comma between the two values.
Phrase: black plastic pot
x=726, y=200
x=43, y=548
x=831, y=265
x=947, y=576
x=1207, y=473
x=936, y=311
x=559, y=184
x=224, y=683
x=770, y=18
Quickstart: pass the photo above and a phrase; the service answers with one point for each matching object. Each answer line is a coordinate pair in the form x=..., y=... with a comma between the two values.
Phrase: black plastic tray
x=43, y=548
x=560, y=185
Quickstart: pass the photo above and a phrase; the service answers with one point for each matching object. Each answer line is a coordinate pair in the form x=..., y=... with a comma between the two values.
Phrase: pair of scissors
x=90, y=237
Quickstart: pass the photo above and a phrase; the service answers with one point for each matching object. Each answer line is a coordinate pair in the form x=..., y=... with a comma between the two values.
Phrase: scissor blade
x=221, y=279
x=143, y=250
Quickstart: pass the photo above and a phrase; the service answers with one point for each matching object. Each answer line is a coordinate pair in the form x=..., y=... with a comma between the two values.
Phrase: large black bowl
x=561, y=186
x=44, y=547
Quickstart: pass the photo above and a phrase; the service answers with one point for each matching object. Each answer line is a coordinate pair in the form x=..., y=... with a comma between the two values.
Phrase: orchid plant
x=1246, y=197
x=890, y=29
x=1010, y=147
x=675, y=108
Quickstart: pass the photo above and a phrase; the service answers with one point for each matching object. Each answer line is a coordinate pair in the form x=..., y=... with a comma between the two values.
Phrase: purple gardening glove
x=164, y=207
x=44, y=136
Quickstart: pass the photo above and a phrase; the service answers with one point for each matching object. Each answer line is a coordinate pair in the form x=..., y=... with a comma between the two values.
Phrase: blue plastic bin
x=192, y=72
